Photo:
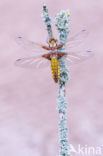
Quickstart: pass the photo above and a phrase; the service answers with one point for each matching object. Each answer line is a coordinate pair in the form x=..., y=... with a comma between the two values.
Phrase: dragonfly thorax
x=54, y=55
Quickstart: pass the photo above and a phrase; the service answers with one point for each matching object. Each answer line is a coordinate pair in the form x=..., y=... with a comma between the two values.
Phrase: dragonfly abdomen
x=55, y=69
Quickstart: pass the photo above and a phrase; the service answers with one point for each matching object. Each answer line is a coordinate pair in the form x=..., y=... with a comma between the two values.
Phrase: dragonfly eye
x=54, y=44
x=50, y=45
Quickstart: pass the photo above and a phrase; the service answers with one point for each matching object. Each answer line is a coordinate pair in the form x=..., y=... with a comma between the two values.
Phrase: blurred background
x=28, y=97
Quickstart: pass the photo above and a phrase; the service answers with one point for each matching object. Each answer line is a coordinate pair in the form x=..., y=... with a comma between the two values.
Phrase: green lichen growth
x=61, y=22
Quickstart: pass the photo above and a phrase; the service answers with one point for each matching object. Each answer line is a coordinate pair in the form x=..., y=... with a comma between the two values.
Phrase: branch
x=62, y=21
x=47, y=20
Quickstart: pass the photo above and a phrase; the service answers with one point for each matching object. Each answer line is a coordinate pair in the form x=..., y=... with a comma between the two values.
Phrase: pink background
x=28, y=115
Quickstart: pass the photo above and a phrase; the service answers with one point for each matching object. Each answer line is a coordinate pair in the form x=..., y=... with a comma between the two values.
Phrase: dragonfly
x=44, y=55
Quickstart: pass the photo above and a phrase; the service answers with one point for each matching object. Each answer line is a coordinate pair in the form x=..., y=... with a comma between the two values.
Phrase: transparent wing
x=77, y=57
x=33, y=62
x=29, y=45
x=75, y=41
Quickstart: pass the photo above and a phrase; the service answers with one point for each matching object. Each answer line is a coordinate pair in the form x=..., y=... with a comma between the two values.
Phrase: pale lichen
x=47, y=19
x=61, y=22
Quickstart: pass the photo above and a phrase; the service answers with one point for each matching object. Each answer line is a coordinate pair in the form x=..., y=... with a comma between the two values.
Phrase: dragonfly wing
x=32, y=62
x=77, y=57
x=75, y=41
x=29, y=45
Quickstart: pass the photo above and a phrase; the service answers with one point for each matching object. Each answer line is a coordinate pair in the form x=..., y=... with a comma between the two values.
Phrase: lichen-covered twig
x=47, y=20
x=61, y=20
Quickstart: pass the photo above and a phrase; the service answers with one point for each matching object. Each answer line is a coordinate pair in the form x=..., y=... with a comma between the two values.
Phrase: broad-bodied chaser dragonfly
x=41, y=58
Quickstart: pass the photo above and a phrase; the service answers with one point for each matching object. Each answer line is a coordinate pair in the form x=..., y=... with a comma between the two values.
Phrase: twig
x=47, y=20
x=62, y=20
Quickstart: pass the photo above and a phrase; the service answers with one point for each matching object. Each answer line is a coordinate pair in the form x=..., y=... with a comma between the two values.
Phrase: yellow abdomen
x=55, y=69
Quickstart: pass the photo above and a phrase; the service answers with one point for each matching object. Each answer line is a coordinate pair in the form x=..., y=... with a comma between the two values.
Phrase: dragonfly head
x=52, y=43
